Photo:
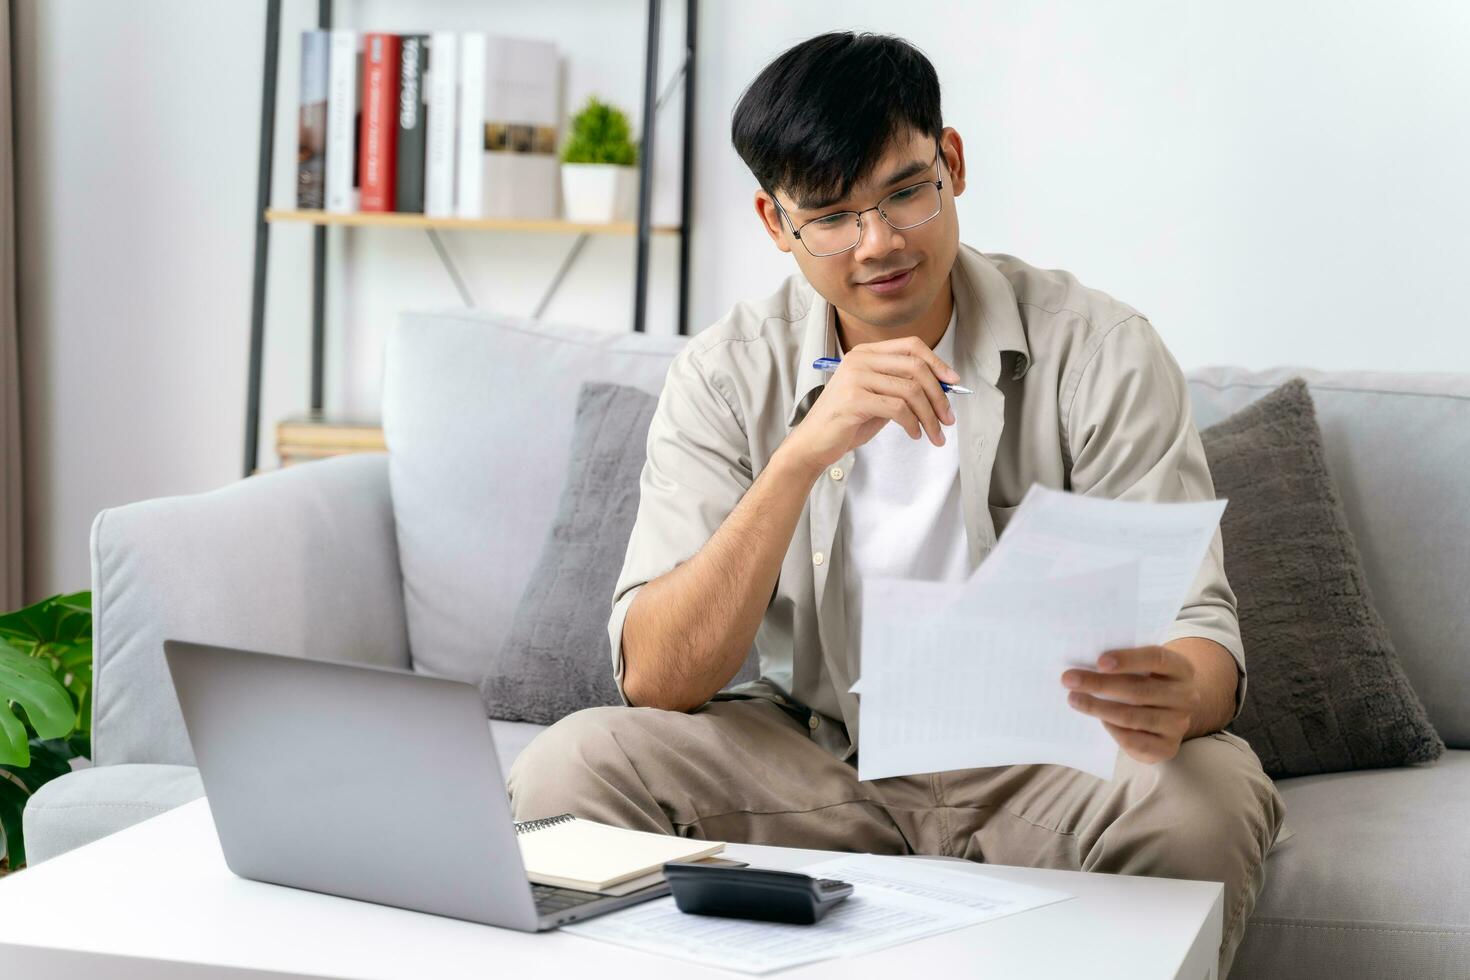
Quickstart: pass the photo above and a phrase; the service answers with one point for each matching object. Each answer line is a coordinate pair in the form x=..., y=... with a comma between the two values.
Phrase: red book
x=377, y=141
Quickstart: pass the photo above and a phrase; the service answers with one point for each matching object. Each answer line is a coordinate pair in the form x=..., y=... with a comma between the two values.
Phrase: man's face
x=921, y=256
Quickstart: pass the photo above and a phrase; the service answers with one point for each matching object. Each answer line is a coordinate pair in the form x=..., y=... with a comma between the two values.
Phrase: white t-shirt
x=901, y=514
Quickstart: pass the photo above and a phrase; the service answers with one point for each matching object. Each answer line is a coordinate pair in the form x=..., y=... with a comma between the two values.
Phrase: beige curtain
x=11, y=545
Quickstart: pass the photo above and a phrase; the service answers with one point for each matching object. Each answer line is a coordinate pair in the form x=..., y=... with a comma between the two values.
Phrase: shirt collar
x=985, y=304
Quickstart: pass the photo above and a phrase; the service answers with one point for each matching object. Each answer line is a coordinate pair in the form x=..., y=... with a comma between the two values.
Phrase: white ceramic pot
x=598, y=192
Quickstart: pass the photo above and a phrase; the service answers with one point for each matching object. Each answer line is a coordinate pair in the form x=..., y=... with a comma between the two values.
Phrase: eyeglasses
x=908, y=207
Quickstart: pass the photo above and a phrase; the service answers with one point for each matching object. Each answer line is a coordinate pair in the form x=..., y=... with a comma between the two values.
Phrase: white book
x=521, y=176
x=521, y=185
x=443, y=122
x=521, y=81
x=468, y=202
x=341, y=195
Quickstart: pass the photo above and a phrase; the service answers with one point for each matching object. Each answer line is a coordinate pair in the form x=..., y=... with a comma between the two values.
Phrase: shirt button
x=836, y=473
x=817, y=558
x=813, y=722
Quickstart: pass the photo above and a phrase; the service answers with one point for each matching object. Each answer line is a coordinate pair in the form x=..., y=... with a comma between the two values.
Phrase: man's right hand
x=889, y=381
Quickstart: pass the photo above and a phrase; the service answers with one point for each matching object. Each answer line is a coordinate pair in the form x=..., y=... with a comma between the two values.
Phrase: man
x=772, y=490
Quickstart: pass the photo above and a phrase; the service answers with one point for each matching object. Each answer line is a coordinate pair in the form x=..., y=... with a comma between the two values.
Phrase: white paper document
x=894, y=900
x=1056, y=533
x=965, y=675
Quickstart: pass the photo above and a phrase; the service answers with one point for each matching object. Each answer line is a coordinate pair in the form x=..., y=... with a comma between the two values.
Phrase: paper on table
x=944, y=881
x=895, y=900
x=962, y=675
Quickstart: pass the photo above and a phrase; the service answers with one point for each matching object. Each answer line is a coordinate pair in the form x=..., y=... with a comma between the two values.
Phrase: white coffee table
x=157, y=901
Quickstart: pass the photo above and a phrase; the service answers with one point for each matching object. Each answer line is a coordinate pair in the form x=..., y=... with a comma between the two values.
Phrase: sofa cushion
x=555, y=659
x=1398, y=446
x=1374, y=882
x=477, y=414
x=92, y=803
x=1326, y=689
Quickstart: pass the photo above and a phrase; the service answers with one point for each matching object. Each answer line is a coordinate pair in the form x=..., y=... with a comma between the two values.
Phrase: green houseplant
x=599, y=161
x=45, y=704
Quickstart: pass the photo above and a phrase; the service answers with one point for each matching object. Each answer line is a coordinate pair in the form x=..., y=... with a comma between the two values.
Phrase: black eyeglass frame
x=796, y=232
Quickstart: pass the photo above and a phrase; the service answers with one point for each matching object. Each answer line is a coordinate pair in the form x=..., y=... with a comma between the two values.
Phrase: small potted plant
x=599, y=166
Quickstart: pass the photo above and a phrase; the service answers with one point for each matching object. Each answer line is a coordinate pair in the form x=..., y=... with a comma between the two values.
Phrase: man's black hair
x=817, y=120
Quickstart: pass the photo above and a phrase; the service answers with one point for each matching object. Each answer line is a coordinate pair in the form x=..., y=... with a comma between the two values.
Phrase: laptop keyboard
x=551, y=900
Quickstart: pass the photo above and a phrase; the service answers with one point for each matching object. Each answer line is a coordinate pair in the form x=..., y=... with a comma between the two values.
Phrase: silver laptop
x=367, y=782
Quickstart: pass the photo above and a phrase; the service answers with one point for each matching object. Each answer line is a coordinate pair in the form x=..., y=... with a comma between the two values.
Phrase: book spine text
x=379, y=121
x=411, y=116
x=342, y=122
x=439, y=150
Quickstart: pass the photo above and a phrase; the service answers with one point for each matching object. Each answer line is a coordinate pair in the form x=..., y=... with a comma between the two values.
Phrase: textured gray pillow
x=556, y=658
x=1326, y=690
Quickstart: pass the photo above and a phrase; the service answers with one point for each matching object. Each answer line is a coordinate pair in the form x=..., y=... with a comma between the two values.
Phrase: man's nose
x=879, y=237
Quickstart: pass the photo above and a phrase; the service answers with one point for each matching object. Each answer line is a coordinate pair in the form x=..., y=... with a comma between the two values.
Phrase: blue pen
x=830, y=364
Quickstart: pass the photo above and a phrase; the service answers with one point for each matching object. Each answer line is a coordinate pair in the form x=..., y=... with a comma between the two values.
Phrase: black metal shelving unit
x=644, y=229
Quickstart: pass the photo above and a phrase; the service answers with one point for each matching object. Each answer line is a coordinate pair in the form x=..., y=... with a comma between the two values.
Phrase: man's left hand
x=1148, y=698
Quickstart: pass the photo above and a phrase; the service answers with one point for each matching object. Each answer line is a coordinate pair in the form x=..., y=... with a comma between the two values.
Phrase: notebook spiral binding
x=528, y=826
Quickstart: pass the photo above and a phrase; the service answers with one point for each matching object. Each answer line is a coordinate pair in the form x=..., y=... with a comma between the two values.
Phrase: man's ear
x=953, y=149
x=770, y=216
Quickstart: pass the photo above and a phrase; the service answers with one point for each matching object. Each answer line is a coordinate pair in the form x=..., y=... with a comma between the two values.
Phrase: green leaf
x=27, y=681
x=12, y=806
x=84, y=720
x=14, y=749
x=58, y=618
x=45, y=670
x=50, y=759
x=74, y=656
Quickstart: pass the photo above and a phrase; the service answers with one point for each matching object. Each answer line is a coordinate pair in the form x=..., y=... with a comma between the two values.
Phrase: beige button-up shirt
x=1073, y=390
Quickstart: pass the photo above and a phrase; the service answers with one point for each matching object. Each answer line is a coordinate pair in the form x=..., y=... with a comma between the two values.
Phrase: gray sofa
x=419, y=557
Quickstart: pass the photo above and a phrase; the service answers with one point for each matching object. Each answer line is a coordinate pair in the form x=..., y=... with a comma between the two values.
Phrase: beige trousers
x=746, y=771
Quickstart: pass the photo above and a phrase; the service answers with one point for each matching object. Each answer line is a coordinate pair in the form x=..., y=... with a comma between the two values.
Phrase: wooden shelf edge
x=365, y=219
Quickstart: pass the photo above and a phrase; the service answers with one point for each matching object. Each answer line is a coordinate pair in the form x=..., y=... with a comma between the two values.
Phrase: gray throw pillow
x=556, y=658
x=1326, y=690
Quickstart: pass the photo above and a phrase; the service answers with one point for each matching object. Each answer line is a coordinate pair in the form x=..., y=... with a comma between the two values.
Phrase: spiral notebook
x=570, y=852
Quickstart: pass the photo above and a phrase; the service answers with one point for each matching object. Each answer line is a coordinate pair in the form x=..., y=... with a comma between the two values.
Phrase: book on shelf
x=379, y=134
x=443, y=124
x=412, y=104
x=341, y=163
x=311, y=125
x=519, y=166
x=303, y=438
x=467, y=182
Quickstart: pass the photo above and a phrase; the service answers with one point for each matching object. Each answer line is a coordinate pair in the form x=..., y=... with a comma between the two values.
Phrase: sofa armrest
x=302, y=561
x=92, y=803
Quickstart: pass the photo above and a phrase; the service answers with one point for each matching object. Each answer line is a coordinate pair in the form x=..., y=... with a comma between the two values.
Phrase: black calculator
x=753, y=893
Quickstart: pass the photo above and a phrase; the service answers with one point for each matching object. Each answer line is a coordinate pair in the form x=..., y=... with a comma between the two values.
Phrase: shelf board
x=396, y=220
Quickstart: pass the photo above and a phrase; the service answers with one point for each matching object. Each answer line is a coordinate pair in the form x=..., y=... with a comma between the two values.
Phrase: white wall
x=1270, y=183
